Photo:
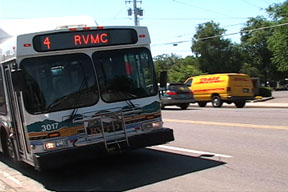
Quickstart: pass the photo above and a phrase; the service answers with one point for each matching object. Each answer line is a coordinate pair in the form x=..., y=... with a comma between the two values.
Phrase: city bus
x=77, y=92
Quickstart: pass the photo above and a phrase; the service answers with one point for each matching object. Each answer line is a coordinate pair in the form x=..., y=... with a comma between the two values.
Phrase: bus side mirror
x=163, y=79
x=18, y=80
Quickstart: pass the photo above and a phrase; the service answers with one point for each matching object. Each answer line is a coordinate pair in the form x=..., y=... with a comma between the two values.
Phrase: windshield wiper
x=75, y=101
x=124, y=95
x=56, y=102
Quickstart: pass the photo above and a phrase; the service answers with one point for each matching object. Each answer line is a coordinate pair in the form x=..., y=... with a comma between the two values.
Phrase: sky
x=171, y=23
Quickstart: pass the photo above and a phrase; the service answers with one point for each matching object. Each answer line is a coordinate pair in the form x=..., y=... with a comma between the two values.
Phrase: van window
x=189, y=82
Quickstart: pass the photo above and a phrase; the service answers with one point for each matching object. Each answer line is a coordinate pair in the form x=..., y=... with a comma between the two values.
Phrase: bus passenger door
x=22, y=148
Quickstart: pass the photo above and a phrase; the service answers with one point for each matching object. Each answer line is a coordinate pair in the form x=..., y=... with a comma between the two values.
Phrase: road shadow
x=119, y=172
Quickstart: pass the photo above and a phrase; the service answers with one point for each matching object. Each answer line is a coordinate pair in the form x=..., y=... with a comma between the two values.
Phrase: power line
x=196, y=18
x=266, y=2
x=244, y=31
x=229, y=34
x=120, y=11
x=254, y=5
x=232, y=25
x=195, y=6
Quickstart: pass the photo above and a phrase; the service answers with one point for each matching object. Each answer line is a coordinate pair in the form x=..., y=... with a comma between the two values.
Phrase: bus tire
x=7, y=144
x=202, y=103
x=216, y=101
x=239, y=104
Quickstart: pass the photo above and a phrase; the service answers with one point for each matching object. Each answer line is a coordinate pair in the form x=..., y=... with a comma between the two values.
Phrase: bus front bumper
x=56, y=159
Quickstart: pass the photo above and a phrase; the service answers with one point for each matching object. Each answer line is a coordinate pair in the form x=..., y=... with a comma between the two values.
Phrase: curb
x=261, y=100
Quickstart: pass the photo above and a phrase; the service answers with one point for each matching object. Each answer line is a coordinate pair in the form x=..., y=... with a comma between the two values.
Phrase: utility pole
x=136, y=11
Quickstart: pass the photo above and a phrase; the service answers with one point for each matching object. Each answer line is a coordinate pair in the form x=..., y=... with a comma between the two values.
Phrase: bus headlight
x=153, y=125
x=157, y=125
x=54, y=144
x=49, y=145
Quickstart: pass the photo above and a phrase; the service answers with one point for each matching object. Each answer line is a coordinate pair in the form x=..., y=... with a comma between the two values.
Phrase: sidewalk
x=266, y=105
x=12, y=180
x=268, y=102
x=5, y=187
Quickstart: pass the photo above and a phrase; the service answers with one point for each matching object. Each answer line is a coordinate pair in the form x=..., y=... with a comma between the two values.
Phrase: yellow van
x=218, y=88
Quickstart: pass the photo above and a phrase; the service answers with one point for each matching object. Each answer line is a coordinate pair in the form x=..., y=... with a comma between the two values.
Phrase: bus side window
x=2, y=95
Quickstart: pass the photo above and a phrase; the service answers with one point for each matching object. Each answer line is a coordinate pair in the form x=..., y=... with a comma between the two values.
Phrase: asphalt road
x=251, y=142
x=226, y=149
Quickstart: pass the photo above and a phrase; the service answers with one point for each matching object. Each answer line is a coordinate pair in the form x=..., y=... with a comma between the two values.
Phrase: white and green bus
x=77, y=92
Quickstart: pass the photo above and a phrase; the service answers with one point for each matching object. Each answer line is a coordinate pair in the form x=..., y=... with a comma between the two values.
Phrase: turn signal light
x=27, y=45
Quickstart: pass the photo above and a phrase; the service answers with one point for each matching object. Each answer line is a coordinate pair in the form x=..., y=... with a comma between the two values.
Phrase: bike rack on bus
x=107, y=126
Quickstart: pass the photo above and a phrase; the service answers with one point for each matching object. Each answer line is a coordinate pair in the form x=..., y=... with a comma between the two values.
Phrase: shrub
x=265, y=92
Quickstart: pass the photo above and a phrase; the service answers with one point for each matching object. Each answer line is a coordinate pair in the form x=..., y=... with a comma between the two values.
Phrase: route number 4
x=47, y=42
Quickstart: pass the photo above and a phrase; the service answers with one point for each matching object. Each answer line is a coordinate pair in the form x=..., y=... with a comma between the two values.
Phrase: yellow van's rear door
x=240, y=85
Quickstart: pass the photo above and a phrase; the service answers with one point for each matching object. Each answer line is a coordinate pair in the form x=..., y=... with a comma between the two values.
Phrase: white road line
x=191, y=151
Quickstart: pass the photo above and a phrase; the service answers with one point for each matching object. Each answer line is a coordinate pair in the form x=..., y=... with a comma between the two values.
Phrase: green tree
x=255, y=43
x=183, y=69
x=179, y=69
x=278, y=41
x=215, y=53
x=250, y=70
x=164, y=62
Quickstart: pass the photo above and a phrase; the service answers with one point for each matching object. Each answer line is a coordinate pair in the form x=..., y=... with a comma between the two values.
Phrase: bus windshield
x=59, y=82
x=63, y=82
x=125, y=74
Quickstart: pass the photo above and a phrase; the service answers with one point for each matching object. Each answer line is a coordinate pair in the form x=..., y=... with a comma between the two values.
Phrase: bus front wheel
x=7, y=144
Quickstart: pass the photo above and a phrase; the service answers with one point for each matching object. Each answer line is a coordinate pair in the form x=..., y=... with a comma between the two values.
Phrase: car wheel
x=239, y=104
x=202, y=103
x=216, y=101
x=184, y=106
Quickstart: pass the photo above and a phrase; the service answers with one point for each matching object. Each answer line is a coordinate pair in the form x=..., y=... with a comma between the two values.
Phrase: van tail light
x=171, y=93
x=229, y=89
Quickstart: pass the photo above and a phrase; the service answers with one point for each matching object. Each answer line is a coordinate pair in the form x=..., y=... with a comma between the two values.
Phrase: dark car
x=176, y=94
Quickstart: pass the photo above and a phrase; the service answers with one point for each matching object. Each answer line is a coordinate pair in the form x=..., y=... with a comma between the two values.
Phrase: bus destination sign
x=84, y=39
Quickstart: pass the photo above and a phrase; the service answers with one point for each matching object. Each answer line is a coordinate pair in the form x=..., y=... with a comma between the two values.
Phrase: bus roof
x=11, y=28
x=14, y=27
x=36, y=43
